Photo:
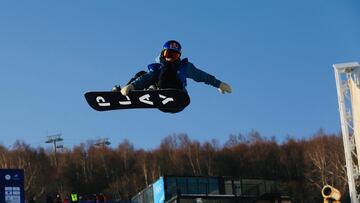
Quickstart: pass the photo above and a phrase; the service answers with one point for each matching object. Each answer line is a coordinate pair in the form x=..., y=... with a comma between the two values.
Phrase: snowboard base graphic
x=167, y=100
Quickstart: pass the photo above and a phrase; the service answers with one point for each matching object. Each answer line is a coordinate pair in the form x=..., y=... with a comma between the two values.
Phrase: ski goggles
x=168, y=53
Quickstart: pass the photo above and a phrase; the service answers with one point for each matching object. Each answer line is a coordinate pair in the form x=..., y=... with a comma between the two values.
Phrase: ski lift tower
x=348, y=88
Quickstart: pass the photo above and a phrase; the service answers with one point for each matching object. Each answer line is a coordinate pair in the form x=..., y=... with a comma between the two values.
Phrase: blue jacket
x=185, y=70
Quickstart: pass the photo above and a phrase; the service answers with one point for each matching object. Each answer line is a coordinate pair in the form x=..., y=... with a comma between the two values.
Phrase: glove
x=125, y=90
x=224, y=88
x=116, y=88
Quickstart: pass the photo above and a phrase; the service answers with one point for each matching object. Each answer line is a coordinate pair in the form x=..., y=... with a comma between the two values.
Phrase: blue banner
x=12, y=186
x=159, y=191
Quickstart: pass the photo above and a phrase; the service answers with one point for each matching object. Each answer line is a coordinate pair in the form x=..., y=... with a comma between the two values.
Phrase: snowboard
x=167, y=100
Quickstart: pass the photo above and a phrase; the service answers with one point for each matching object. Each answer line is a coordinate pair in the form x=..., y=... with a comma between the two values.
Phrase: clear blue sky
x=277, y=55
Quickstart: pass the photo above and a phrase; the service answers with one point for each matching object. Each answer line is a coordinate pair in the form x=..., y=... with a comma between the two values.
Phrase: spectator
x=66, y=199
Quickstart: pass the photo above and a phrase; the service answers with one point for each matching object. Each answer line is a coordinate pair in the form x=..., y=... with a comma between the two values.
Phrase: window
x=193, y=186
x=148, y=195
x=228, y=187
x=171, y=190
x=237, y=187
x=182, y=185
x=202, y=186
x=213, y=186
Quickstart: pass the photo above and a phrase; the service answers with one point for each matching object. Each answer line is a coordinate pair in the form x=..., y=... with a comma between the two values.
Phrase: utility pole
x=102, y=143
x=54, y=139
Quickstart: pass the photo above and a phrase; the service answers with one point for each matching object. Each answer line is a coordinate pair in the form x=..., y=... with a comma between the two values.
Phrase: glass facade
x=207, y=187
x=202, y=185
x=191, y=186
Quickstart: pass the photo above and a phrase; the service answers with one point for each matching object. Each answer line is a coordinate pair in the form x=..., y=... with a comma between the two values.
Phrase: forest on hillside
x=302, y=165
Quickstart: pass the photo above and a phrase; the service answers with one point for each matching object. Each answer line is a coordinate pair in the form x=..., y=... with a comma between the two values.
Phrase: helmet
x=172, y=45
x=171, y=51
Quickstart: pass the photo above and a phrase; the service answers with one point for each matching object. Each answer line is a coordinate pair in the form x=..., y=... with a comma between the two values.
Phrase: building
x=185, y=189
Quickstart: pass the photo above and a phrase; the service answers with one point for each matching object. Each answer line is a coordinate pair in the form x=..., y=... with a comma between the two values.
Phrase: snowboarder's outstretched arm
x=201, y=76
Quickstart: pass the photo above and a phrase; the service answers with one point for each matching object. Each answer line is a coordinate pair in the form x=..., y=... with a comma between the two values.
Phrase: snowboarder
x=171, y=72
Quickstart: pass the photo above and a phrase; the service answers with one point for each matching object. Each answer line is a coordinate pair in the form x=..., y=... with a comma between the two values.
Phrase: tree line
x=304, y=166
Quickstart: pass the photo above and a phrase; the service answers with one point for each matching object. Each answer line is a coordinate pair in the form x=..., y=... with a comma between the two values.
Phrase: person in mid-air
x=171, y=72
